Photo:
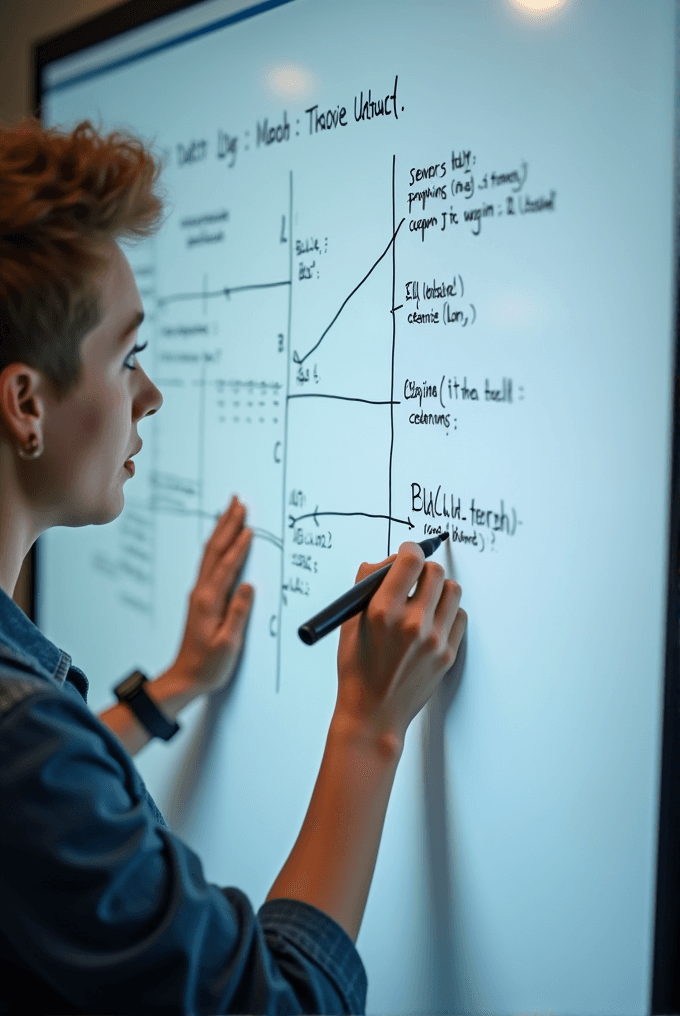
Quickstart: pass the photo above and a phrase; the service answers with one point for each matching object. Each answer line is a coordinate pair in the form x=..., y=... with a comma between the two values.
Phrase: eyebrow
x=134, y=323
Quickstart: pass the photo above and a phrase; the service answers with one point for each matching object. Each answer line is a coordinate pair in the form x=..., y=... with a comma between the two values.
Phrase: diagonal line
x=264, y=534
x=348, y=298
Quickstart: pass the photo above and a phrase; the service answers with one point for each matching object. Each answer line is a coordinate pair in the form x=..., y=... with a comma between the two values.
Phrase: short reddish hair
x=61, y=196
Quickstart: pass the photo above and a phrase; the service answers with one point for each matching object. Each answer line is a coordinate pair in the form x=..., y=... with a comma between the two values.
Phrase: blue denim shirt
x=102, y=908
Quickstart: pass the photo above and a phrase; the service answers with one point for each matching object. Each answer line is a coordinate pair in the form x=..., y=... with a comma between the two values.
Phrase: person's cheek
x=100, y=436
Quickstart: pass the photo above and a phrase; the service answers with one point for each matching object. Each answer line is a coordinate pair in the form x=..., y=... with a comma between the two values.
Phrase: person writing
x=103, y=909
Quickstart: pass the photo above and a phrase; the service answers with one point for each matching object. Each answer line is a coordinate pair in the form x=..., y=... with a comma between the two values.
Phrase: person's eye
x=137, y=349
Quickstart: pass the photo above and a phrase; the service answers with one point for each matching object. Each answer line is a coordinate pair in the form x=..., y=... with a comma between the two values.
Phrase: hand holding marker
x=355, y=599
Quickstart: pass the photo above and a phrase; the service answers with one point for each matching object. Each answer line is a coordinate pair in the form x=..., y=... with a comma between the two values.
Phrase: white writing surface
x=416, y=275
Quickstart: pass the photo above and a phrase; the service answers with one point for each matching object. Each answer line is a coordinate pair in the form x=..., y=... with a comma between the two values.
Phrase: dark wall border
x=666, y=961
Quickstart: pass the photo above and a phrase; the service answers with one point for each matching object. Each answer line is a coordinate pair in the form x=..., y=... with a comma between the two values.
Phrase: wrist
x=350, y=726
x=172, y=691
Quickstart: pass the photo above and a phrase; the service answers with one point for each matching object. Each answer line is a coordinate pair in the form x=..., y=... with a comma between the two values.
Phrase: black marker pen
x=355, y=599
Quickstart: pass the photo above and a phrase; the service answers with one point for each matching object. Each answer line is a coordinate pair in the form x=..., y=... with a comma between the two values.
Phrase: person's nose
x=150, y=399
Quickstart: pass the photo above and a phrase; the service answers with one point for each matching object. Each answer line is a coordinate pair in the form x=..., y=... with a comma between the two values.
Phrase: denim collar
x=22, y=643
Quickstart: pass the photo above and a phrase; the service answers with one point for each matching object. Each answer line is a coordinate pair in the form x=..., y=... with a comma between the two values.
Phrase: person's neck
x=12, y=554
x=17, y=531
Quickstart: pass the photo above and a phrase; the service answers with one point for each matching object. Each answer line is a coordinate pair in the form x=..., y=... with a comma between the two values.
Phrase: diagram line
x=394, y=333
x=201, y=450
x=264, y=534
x=228, y=290
x=348, y=298
x=225, y=291
x=367, y=515
x=346, y=398
x=155, y=507
x=285, y=426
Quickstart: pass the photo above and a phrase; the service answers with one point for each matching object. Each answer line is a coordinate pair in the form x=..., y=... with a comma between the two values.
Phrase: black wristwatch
x=131, y=692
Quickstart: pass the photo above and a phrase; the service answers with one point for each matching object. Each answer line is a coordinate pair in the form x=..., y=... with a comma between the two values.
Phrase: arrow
x=313, y=515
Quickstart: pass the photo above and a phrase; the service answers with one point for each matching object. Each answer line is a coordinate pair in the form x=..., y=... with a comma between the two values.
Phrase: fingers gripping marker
x=355, y=599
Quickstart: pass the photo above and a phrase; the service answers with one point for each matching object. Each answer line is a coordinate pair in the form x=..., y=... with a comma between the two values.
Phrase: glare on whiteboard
x=289, y=81
x=537, y=7
x=513, y=310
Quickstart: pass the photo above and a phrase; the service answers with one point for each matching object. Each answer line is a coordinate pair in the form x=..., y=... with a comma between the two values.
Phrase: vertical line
x=201, y=453
x=394, y=332
x=154, y=443
x=201, y=432
x=285, y=426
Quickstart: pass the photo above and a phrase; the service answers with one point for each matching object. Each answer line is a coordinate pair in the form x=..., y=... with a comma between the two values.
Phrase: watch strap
x=131, y=692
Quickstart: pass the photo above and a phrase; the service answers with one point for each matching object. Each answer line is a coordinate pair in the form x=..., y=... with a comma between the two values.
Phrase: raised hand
x=218, y=613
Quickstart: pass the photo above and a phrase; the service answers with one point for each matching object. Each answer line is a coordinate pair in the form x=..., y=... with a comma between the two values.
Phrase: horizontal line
x=345, y=398
x=224, y=291
x=261, y=285
x=366, y=515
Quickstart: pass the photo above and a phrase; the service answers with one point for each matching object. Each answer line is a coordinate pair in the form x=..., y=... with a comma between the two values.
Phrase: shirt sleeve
x=111, y=909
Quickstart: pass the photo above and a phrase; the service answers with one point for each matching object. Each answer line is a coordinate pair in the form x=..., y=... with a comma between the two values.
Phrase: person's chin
x=115, y=503
x=108, y=513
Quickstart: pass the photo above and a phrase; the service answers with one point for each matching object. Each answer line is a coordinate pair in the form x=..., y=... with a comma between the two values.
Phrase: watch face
x=130, y=683
x=130, y=691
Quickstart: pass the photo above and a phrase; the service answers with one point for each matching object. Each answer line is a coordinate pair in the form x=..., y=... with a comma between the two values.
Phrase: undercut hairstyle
x=63, y=194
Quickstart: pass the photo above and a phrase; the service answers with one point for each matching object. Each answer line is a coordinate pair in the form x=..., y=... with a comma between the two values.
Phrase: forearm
x=170, y=692
x=332, y=863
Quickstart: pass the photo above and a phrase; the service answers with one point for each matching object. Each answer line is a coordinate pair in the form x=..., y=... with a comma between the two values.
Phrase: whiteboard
x=417, y=273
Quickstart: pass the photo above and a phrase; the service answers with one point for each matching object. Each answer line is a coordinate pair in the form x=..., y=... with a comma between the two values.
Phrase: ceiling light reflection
x=290, y=81
x=536, y=8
